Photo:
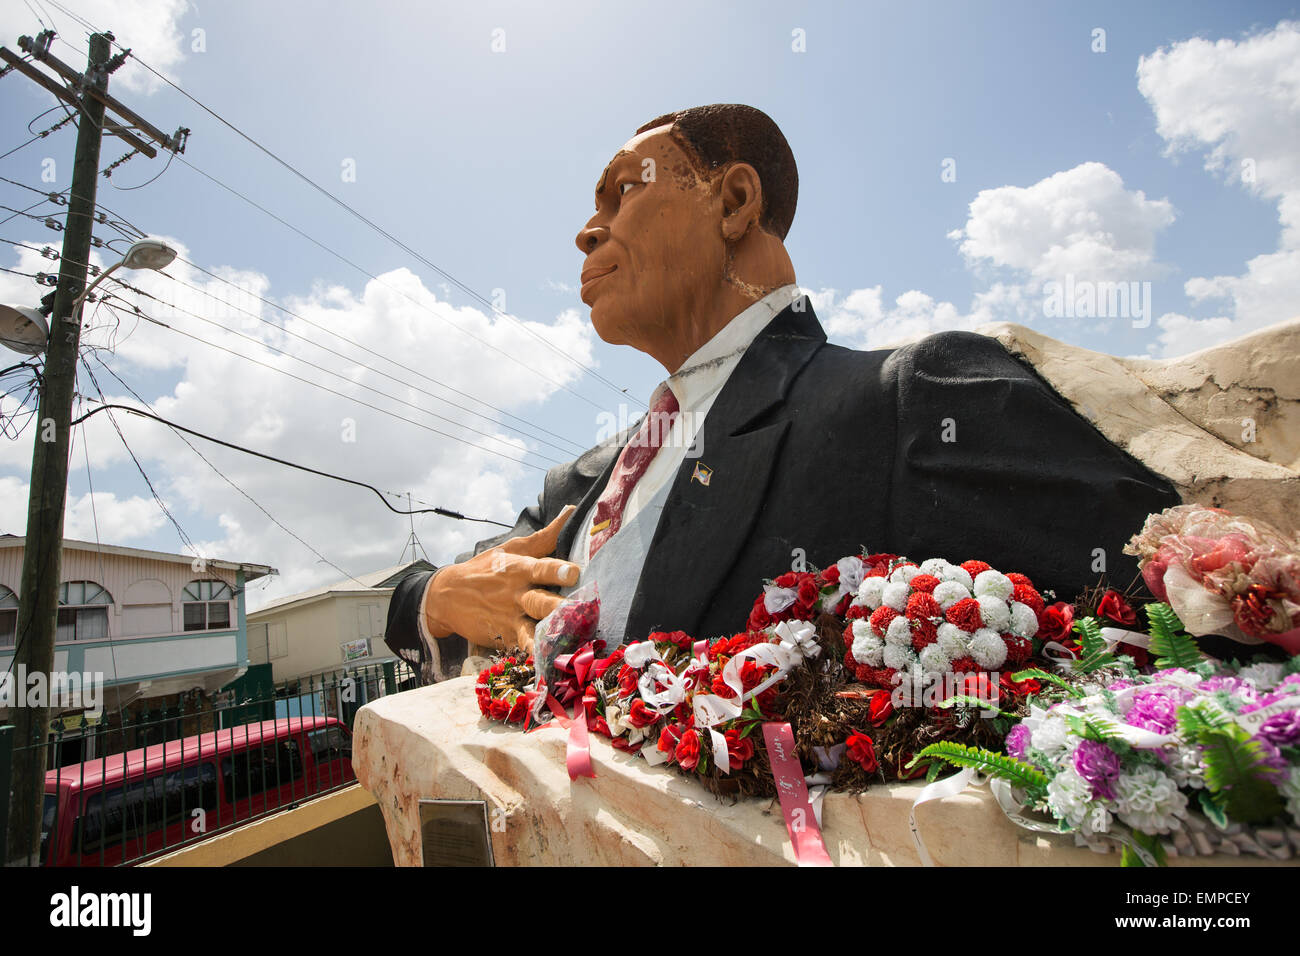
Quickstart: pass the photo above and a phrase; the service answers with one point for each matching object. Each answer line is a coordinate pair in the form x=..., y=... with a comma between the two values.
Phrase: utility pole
x=42, y=554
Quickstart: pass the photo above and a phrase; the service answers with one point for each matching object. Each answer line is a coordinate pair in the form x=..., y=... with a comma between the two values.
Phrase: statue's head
x=691, y=218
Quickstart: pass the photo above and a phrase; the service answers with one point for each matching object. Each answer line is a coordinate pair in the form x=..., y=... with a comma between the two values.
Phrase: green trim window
x=206, y=605
x=8, y=616
x=83, y=612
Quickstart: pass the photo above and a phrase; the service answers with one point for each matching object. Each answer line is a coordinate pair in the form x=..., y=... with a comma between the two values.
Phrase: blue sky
x=1122, y=165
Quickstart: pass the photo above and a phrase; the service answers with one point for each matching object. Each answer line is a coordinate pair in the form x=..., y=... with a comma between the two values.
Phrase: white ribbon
x=1114, y=636
x=1066, y=656
x=801, y=635
x=1256, y=718
x=674, y=692
x=947, y=787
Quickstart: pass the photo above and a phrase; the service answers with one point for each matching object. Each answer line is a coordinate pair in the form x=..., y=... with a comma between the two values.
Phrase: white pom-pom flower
x=867, y=648
x=899, y=632
x=953, y=640
x=933, y=660
x=905, y=573
x=871, y=592
x=988, y=649
x=955, y=572
x=934, y=566
x=895, y=595
x=949, y=593
x=1024, y=622
x=994, y=613
x=993, y=583
x=898, y=656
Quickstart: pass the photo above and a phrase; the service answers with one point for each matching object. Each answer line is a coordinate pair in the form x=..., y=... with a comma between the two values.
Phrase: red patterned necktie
x=632, y=464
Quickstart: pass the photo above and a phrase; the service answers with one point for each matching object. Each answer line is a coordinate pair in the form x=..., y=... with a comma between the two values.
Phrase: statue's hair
x=716, y=135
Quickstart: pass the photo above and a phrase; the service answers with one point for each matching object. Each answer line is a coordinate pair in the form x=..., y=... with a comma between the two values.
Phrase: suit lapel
x=703, y=527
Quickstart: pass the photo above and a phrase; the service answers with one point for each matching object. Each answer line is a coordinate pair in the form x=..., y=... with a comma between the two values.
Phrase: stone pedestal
x=432, y=742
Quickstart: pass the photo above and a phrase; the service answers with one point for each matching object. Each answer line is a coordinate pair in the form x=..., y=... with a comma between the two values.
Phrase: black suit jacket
x=950, y=447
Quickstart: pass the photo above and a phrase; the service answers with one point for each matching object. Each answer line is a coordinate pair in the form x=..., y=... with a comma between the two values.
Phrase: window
x=207, y=605
x=8, y=616
x=124, y=813
x=328, y=745
x=83, y=612
x=261, y=768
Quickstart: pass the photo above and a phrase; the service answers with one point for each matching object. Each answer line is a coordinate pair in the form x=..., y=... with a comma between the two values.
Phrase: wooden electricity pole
x=39, y=601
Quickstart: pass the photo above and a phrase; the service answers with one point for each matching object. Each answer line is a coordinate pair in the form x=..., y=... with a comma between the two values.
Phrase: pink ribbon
x=578, y=667
x=800, y=820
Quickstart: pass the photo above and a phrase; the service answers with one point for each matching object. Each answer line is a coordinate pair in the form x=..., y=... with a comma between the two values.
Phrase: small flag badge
x=703, y=473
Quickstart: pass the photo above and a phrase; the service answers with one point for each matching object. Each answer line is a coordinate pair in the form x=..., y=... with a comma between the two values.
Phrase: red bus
x=126, y=806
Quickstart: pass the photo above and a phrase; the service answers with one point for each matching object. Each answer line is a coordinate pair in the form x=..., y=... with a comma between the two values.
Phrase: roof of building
x=384, y=579
x=251, y=571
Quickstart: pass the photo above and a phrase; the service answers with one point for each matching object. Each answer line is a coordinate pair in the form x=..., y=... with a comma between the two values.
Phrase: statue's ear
x=742, y=200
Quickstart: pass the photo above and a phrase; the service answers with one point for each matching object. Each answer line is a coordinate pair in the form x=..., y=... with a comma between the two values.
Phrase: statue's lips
x=591, y=275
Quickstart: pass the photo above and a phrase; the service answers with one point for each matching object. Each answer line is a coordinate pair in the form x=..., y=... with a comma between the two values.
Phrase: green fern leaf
x=964, y=700
x=1169, y=644
x=1095, y=656
x=998, y=765
x=1038, y=674
x=1149, y=843
x=1236, y=772
x=1093, y=727
x=1200, y=718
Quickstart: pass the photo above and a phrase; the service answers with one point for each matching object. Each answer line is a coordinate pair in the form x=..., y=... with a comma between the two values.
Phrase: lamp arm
x=80, y=300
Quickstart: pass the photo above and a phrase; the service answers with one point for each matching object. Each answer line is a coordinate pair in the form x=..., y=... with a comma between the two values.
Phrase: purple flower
x=1282, y=729
x=1099, y=765
x=1155, y=710
x=1118, y=685
x=1018, y=741
x=1234, y=686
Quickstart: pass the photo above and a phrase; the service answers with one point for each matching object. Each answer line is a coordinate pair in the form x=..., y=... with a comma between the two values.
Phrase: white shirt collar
x=708, y=368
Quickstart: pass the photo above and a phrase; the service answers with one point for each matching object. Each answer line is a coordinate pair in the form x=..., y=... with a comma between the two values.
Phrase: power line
x=445, y=512
x=224, y=477
x=139, y=467
x=384, y=411
x=402, y=293
x=321, y=368
x=353, y=212
x=337, y=335
x=354, y=361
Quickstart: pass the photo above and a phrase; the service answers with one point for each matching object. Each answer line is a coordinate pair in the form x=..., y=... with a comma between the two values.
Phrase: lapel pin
x=703, y=473
x=598, y=528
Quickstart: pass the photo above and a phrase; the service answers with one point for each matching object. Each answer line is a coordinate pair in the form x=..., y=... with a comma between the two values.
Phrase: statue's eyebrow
x=604, y=176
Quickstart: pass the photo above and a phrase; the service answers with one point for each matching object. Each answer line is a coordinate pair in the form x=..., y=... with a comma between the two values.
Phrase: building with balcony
x=152, y=626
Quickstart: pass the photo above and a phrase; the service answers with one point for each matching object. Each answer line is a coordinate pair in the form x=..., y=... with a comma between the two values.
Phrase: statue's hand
x=495, y=599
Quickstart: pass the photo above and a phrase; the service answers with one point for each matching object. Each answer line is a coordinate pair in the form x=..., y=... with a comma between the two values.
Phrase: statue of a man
x=767, y=448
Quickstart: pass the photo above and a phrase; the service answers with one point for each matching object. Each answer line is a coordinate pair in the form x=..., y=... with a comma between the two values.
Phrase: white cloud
x=1239, y=101
x=225, y=396
x=1081, y=221
x=150, y=28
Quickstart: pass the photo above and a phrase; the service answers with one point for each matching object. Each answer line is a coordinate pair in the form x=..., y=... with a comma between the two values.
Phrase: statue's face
x=654, y=248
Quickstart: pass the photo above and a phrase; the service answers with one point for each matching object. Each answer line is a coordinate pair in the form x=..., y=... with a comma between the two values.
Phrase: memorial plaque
x=455, y=833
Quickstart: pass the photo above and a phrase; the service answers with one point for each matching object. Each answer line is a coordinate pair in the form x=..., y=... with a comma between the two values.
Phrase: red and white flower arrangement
x=910, y=624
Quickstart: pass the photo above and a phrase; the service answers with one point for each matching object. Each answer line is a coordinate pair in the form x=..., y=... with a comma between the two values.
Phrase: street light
x=25, y=330
x=145, y=254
